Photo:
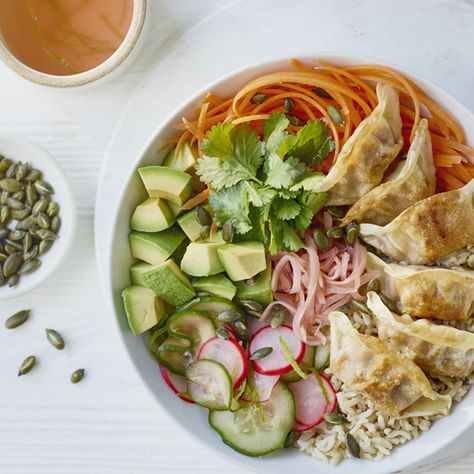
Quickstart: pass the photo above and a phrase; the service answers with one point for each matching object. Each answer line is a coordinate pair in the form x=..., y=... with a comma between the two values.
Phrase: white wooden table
x=109, y=423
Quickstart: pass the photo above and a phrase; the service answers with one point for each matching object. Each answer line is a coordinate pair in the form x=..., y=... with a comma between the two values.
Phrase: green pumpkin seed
x=43, y=220
x=43, y=188
x=16, y=235
x=321, y=239
x=335, y=232
x=5, y=164
x=360, y=306
x=242, y=330
x=279, y=317
x=26, y=223
x=374, y=285
x=55, y=339
x=32, y=253
x=17, y=319
x=335, y=418
x=3, y=197
x=352, y=232
x=9, y=249
x=2, y=278
x=10, y=185
x=12, y=264
x=19, y=196
x=21, y=171
x=3, y=257
x=288, y=104
x=45, y=234
x=322, y=93
x=77, y=375
x=222, y=333
x=202, y=216
x=29, y=267
x=291, y=439
x=27, y=243
x=345, y=308
x=335, y=115
x=11, y=171
x=229, y=316
x=5, y=215
x=31, y=195
x=53, y=209
x=204, y=232
x=27, y=365
x=352, y=445
x=14, y=204
x=258, y=98
x=20, y=214
x=13, y=280
x=40, y=206
x=3, y=232
x=336, y=211
x=14, y=244
x=228, y=231
x=33, y=175
x=251, y=305
x=261, y=353
x=388, y=303
x=44, y=246
x=295, y=120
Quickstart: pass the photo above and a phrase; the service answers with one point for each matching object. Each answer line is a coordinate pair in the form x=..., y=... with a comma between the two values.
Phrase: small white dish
x=20, y=149
x=124, y=54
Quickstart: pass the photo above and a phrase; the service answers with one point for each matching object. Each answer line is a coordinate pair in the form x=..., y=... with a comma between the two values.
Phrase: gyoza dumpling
x=431, y=228
x=441, y=350
x=364, y=158
x=426, y=292
x=412, y=181
x=368, y=365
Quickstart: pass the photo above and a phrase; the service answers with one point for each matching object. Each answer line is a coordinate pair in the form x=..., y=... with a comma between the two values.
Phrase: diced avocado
x=143, y=307
x=190, y=225
x=178, y=254
x=170, y=283
x=155, y=247
x=243, y=260
x=152, y=215
x=201, y=259
x=136, y=272
x=217, y=285
x=260, y=290
x=174, y=208
x=184, y=160
x=167, y=183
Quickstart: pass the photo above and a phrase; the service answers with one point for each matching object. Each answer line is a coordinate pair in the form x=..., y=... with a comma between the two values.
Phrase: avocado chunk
x=167, y=183
x=143, y=307
x=170, y=283
x=175, y=209
x=201, y=259
x=184, y=160
x=152, y=215
x=218, y=285
x=189, y=224
x=155, y=247
x=243, y=260
x=136, y=272
x=260, y=290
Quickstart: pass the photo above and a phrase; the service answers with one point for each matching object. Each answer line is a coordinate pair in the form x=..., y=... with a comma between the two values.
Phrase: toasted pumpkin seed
x=242, y=330
x=3, y=232
x=45, y=234
x=3, y=197
x=13, y=280
x=345, y=308
x=27, y=365
x=228, y=231
x=203, y=216
x=27, y=243
x=43, y=188
x=295, y=120
x=360, y=306
x=21, y=171
x=55, y=339
x=12, y=264
x=32, y=253
x=258, y=98
x=335, y=418
x=3, y=257
x=229, y=316
x=5, y=215
x=14, y=204
x=77, y=375
x=374, y=285
x=43, y=220
x=2, y=278
x=261, y=353
x=33, y=175
x=17, y=319
x=335, y=115
x=204, y=232
x=9, y=249
x=388, y=303
x=279, y=317
x=11, y=171
x=31, y=194
x=288, y=104
x=53, y=209
x=352, y=232
x=20, y=214
x=10, y=185
x=55, y=224
x=5, y=164
x=336, y=211
x=320, y=92
x=44, y=246
x=29, y=267
x=352, y=445
x=222, y=333
x=19, y=196
x=16, y=235
x=335, y=232
x=291, y=439
x=321, y=239
x=40, y=206
x=14, y=244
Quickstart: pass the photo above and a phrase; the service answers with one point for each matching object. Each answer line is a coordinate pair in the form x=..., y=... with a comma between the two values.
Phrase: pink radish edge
x=264, y=385
x=178, y=380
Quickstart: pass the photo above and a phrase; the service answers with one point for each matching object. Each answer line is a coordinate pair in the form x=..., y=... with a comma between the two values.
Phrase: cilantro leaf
x=219, y=173
x=303, y=219
x=314, y=201
x=285, y=209
x=291, y=240
x=248, y=149
x=259, y=195
x=283, y=173
x=231, y=204
x=276, y=138
x=311, y=182
x=258, y=223
x=313, y=143
x=218, y=141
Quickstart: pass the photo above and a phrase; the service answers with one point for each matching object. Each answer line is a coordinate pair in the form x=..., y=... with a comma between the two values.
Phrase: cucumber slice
x=212, y=304
x=257, y=429
x=321, y=357
x=209, y=384
x=306, y=363
x=174, y=354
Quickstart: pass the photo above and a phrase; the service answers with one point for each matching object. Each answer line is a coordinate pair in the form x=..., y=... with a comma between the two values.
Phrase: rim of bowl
x=116, y=59
x=222, y=79
x=68, y=203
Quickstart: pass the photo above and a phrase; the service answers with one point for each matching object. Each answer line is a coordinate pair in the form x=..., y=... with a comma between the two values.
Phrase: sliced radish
x=255, y=324
x=310, y=401
x=177, y=383
x=276, y=363
x=262, y=387
x=228, y=353
x=231, y=331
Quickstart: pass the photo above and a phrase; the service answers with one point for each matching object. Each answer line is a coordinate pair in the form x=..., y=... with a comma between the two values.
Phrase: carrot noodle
x=351, y=90
x=196, y=200
x=311, y=283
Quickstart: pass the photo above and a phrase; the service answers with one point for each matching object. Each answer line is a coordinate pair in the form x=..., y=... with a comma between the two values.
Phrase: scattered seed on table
x=27, y=365
x=55, y=339
x=17, y=319
x=77, y=375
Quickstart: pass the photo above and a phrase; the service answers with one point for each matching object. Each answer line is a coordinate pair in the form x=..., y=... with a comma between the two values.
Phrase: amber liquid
x=64, y=37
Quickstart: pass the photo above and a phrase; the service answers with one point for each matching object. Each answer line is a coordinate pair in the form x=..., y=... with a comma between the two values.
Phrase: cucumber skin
x=262, y=453
x=209, y=300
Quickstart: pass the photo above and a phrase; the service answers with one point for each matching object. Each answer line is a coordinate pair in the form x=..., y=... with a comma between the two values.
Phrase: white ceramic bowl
x=445, y=439
x=124, y=54
x=20, y=149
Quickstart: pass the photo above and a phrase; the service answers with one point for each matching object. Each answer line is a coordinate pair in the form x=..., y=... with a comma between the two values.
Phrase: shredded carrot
x=196, y=200
x=351, y=89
